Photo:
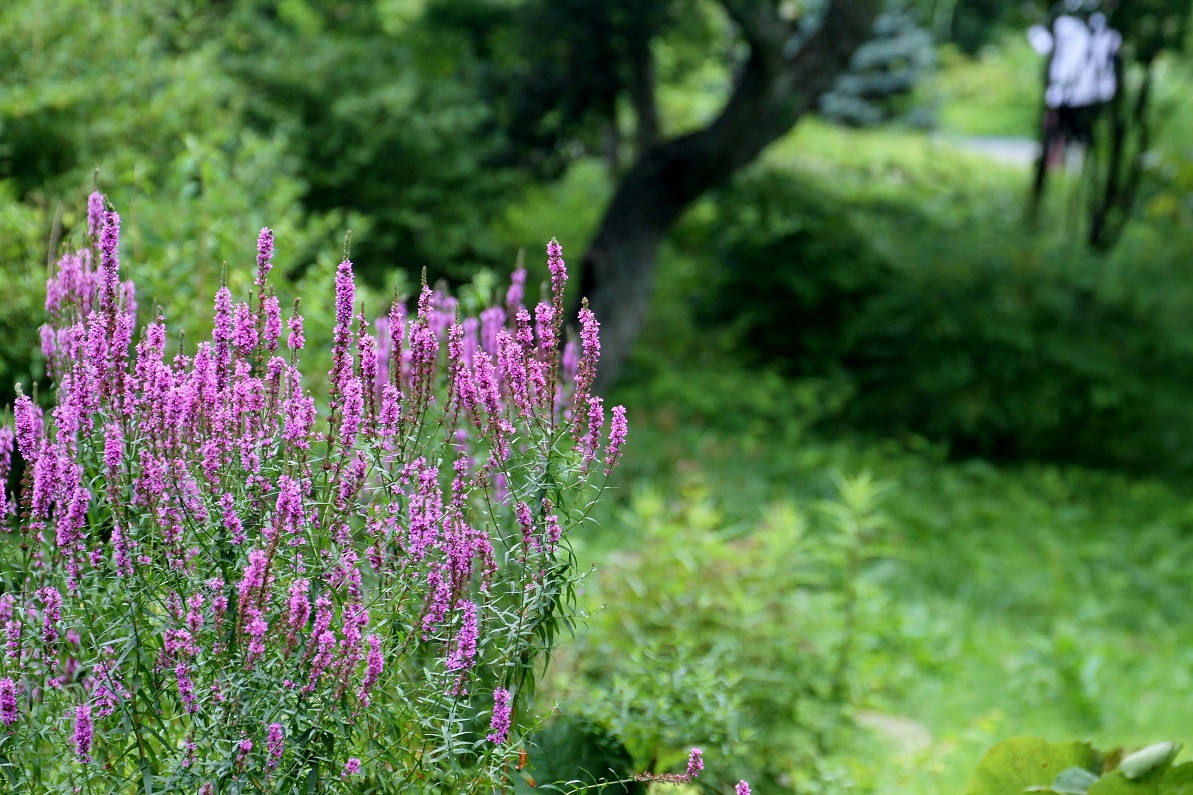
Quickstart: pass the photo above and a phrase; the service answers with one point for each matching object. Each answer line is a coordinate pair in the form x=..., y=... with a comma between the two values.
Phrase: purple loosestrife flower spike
x=590, y=342
x=499, y=726
x=273, y=322
x=373, y=668
x=12, y=629
x=526, y=523
x=95, y=214
x=553, y=532
x=353, y=412
x=244, y=330
x=256, y=629
x=591, y=440
x=465, y=650
x=221, y=333
x=367, y=344
x=511, y=357
x=51, y=613
x=516, y=291
x=327, y=645
x=544, y=325
x=351, y=768
x=559, y=274
x=276, y=743
x=83, y=732
x=120, y=556
x=492, y=320
x=113, y=448
x=298, y=610
x=186, y=688
x=109, y=260
x=424, y=351
x=28, y=427
x=397, y=331
x=617, y=435
x=8, y=701
x=742, y=788
x=243, y=750
x=264, y=255
x=439, y=593
x=522, y=333
x=695, y=763
x=288, y=512
x=300, y=416
x=390, y=419
x=254, y=578
x=296, y=339
x=342, y=336
x=194, y=618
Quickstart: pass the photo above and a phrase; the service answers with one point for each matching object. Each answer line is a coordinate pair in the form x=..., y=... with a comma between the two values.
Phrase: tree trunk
x=772, y=93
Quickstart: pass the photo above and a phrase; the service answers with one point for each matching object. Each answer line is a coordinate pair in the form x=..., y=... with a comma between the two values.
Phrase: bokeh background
x=910, y=451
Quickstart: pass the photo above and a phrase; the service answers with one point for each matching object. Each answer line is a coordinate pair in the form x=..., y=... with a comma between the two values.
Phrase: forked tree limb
x=778, y=83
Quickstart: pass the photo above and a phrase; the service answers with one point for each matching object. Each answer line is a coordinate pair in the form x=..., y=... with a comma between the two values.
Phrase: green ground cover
x=993, y=600
x=997, y=602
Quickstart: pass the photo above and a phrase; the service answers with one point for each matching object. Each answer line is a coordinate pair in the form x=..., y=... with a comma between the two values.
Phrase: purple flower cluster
x=373, y=669
x=275, y=743
x=193, y=497
x=8, y=701
x=695, y=763
x=264, y=257
x=695, y=768
x=499, y=725
x=243, y=749
x=84, y=732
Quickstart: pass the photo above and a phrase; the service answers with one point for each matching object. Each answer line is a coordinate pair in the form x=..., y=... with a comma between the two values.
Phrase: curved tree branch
x=773, y=91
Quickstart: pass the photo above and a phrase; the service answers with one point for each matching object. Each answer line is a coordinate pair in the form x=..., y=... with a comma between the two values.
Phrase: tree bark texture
x=773, y=91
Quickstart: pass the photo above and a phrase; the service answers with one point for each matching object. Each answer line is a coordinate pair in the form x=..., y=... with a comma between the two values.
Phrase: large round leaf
x=1178, y=780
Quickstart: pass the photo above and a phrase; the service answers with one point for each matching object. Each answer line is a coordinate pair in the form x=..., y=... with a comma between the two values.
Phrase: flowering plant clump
x=211, y=584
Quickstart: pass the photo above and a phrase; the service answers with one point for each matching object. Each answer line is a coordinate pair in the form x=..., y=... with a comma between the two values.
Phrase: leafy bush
x=1034, y=598
x=745, y=643
x=945, y=321
x=380, y=105
x=142, y=94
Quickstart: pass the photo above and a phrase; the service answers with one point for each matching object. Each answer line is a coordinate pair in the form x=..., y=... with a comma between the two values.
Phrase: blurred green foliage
x=143, y=93
x=995, y=92
x=382, y=107
x=572, y=753
x=882, y=73
x=745, y=644
x=997, y=601
x=907, y=278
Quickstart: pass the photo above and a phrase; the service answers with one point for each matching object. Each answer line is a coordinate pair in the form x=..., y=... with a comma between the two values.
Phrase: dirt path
x=1011, y=151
